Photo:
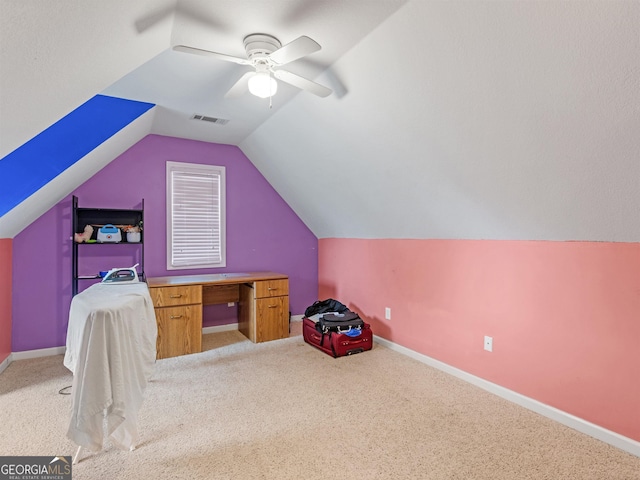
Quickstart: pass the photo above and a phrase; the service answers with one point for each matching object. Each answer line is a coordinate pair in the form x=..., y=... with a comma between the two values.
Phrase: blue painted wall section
x=31, y=166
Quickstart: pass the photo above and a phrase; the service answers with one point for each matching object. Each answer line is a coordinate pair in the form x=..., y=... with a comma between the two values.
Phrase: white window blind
x=195, y=216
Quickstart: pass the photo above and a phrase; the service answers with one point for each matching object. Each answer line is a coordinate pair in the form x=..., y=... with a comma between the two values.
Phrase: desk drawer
x=272, y=288
x=179, y=330
x=272, y=318
x=182, y=295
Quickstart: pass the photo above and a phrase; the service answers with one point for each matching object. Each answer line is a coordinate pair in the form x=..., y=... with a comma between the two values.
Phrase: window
x=195, y=216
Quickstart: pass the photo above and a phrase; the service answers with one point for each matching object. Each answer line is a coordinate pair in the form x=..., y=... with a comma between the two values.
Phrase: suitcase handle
x=320, y=338
x=355, y=342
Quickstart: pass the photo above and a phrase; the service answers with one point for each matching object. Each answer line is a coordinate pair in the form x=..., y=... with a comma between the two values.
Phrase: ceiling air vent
x=204, y=118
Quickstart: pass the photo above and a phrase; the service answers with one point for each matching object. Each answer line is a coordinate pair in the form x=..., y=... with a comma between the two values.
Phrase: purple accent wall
x=263, y=233
x=5, y=297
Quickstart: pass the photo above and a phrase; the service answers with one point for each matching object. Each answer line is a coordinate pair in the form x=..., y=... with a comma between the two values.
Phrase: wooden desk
x=263, y=307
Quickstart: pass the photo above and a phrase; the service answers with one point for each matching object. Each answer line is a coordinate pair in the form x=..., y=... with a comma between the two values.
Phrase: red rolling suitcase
x=337, y=344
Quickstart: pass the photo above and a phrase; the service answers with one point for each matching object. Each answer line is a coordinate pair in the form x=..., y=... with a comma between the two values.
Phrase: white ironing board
x=111, y=350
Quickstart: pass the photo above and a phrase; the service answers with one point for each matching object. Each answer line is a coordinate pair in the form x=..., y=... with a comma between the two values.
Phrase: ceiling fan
x=266, y=54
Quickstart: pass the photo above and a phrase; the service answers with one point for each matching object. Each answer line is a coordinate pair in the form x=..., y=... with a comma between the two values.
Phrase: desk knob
x=175, y=316
x=175, y=296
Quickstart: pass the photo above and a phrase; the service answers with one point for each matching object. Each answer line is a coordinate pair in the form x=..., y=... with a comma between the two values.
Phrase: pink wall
x=564, y=316
x=5, y=297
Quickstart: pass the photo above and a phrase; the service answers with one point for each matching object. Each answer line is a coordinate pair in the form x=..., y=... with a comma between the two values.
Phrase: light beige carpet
x=283, y=410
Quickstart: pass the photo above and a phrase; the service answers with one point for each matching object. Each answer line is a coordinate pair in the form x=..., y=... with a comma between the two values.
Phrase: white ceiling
x=122, y=48
x=456, y=119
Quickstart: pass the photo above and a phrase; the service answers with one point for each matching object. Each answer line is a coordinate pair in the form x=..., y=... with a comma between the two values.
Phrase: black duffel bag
x=323, y=306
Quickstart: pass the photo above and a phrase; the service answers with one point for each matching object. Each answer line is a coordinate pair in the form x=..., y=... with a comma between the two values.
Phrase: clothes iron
x=121, y=275
x=109, y=234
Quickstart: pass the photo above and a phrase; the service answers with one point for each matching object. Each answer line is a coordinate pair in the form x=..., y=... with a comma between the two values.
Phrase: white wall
x=502, y=120
x=56, y=55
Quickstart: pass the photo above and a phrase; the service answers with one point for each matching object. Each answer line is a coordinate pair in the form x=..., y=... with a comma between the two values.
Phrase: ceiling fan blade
x=189, y=12
x=240, y=87
x=300, y=47
x=200, y=15
x=302, y=10
x=302, y=83
x=207, y=53
x=148, y=21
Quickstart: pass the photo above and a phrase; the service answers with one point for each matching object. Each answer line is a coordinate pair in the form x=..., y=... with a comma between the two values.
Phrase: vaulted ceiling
x=457, y=119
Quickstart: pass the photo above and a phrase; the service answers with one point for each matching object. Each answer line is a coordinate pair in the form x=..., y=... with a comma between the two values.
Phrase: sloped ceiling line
x=31, y=167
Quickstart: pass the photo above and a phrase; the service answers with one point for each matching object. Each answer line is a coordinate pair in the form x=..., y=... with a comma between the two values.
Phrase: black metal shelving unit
x=98, y=217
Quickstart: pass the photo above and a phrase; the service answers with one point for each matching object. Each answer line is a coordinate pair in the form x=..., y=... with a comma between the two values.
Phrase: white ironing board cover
x=111, y=350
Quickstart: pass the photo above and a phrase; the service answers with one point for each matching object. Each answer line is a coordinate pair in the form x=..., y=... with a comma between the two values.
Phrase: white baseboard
x=27, y=354
x=612, y=438
x=43, y=352
x=220, y=328
x=5, y=363
x=234, y=326
x=46, y=352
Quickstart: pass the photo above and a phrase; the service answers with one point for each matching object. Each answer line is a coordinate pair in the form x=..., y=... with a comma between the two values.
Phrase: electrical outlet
x=387, y=313
x=230, y=304
x=488, y=343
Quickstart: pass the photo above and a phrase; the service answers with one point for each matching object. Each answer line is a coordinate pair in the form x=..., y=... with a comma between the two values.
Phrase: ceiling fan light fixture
x=263, y=85
x=266, y=54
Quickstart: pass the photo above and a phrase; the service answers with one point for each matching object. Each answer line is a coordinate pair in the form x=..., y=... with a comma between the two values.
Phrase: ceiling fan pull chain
x=270, y=92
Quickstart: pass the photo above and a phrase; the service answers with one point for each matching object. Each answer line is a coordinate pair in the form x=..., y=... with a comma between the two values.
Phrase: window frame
x=197, y=170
